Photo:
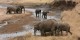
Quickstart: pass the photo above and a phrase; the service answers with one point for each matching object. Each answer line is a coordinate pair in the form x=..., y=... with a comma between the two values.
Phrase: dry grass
x=73, y=18
x=24, y=1
x=27, y=37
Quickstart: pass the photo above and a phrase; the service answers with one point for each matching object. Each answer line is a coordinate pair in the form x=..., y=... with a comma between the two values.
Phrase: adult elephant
x=15, y=9
x=11, y=9
x=38, y=12
x=63, y=27
x=45, y=26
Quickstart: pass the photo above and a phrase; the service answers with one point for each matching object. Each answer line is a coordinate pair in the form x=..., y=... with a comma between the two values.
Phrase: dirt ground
x=19, y=19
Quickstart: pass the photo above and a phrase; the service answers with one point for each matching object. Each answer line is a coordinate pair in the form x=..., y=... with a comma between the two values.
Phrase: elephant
x=45, y=26
x=38, y=12
x=19, y=9
x=11, y=9
x=63, y=27
x=44, y=14
x=15, y=9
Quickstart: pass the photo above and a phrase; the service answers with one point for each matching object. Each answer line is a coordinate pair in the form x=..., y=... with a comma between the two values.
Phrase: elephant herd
x=44, y=13
x=18, y=10
x=15, y=9
x=52, y=27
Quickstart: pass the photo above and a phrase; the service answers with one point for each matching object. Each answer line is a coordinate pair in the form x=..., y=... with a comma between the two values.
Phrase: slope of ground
x=73, y=18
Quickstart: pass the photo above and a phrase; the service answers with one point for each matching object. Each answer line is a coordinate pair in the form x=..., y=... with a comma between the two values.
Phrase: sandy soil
x=73, y=18
x=15, y=21
x=25, y=1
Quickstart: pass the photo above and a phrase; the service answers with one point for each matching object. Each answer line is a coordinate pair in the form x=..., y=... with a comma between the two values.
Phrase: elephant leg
x=36, y=14
x=39, y=14
x=7, y=12
x=53, y=33
x=24, y=10
x=61, y=32
x=70, y=32
x=21, y=11
x=42, y=33
x=35, y=32
x=16, y=11
x=57, y=32
x=66, y=32
x=46, y=16
x=50, y=33
x=42, y=16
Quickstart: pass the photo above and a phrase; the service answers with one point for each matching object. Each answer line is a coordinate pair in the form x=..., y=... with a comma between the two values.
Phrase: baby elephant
x=63, y=27
x=44, y=14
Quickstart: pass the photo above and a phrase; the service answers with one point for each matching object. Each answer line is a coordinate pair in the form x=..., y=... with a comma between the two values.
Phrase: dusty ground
x=15, y=21
x=25, y=2
x=46, y=38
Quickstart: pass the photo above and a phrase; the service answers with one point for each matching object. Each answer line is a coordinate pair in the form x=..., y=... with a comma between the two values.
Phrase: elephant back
x=37, y=10
x=47, y=23
x=12, y=8
x=63, y=25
